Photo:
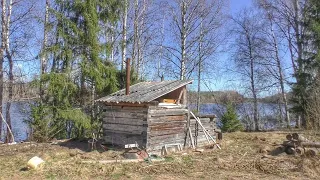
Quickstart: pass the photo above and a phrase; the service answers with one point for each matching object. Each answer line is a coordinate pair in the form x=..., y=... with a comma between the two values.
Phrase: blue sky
x=220, y=79
x=236, y=5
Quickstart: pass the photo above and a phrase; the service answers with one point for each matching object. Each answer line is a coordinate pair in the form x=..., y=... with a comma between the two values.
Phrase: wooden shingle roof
x=144, y=92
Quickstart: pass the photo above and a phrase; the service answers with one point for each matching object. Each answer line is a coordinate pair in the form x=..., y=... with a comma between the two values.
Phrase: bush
x=230, y=121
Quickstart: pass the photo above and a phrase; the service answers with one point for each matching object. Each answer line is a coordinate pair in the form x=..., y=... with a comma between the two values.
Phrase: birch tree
x=124, y=33
x=274, y=54
x=2, y=51
x=248, y=55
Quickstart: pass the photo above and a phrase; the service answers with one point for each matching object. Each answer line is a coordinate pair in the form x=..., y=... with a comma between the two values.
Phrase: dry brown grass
x=242, y=157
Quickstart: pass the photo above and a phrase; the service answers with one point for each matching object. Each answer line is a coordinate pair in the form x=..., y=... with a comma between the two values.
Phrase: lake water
x=270, y=115
x=19, y=112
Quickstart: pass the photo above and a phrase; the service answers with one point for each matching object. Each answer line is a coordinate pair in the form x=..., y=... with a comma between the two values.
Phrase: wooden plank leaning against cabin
x=125, y=124
x=209, y=122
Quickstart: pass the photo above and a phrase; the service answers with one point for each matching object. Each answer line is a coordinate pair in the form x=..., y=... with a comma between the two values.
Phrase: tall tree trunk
x=135, y=36
x=183, y=36
x=253, y=88
x=45, y=40
x=291, y=50
x=141, y=28
x=199, y=66
x=2, y=51
x=43, y=59
x=280, y=71
x=9, y=137
x=298, y=32
x=124, y=35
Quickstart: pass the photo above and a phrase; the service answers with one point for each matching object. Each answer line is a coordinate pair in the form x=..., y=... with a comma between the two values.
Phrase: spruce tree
x=78, y=70
x=230, y=121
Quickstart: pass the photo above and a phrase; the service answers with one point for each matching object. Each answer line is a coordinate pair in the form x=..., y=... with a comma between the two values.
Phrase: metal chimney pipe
x=128, y=76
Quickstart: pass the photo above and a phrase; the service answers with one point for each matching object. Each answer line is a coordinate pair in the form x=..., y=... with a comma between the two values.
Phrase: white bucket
x=35, y=162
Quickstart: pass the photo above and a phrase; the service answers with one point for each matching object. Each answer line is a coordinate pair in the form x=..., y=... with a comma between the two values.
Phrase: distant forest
x=225, y=97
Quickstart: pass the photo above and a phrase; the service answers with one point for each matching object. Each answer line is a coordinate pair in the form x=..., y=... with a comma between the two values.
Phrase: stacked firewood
x=297, y=144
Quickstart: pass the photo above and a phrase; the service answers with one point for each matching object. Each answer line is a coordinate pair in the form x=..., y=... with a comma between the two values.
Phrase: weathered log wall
x=165, y=126
x=197, y=131
x=125, y=125
x=151, y=126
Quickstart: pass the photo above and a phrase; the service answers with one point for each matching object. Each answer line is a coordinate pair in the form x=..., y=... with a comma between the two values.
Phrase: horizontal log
x=125, y=114
x=167, y=118
x=163, y=128
x=166, y=136
x=126, y=110
x=166, y=132
x=165, y=112
x=127, y=121
x=124, y=128
x=310, y=144
x=298, y=137
x=131, y=133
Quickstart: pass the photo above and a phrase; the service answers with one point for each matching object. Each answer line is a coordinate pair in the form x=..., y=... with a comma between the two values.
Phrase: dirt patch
x=243, y=156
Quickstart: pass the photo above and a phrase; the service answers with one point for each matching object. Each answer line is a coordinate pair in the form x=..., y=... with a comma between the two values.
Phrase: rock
x=35, y=162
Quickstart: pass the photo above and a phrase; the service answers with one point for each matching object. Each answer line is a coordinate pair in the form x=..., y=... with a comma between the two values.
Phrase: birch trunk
x=43, y=59
x=135, y=37
x=141, y=28
x=124, y=35
x=183, y=36
x=9, y=137
x=280, y=71
x=45, y=40
x=253, y=88
x=298, y=33
x=199, y=67
x=3, y=19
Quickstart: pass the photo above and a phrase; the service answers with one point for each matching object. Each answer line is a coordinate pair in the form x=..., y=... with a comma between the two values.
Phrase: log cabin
x=152, y=115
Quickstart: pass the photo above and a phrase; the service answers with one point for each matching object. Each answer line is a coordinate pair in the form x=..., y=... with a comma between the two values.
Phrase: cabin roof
x=144, y=92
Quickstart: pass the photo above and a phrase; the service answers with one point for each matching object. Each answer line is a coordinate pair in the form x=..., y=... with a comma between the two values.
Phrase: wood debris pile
x=297, y=144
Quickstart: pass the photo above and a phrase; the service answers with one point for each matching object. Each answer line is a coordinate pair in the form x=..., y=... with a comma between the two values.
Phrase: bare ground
x=243, y=156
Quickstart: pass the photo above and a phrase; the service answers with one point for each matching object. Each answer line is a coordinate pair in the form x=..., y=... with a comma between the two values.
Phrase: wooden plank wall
x=197, y=131
x=125, y=125
x=165, y=126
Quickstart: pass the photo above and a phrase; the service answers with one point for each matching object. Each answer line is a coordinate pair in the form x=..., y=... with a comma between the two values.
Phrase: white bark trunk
x=280, y=71
x=45, y=40
x=2, y=51
x=124, y=35
x=183, y=39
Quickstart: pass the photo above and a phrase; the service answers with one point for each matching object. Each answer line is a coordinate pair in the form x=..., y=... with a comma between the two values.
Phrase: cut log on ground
x=289, y=137
x=290, y=150
x=310, y=144
x=299, y=137
x=311, y=152
x=290, y=143
x=300, y=150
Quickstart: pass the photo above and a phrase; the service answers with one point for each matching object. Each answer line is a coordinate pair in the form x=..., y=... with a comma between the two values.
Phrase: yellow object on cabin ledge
x=173, y=101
